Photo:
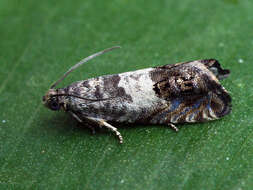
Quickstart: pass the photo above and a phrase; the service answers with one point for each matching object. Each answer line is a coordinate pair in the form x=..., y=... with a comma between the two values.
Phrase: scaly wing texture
x=192, y=90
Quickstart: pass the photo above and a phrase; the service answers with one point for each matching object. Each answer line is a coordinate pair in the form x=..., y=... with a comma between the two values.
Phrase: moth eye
x=54, y=105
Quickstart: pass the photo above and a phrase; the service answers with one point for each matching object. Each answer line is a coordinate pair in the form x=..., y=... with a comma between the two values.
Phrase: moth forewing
x=176, y=93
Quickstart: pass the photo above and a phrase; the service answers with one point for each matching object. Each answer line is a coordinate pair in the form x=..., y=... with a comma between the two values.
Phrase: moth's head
x=51, y=100
x=54, y=98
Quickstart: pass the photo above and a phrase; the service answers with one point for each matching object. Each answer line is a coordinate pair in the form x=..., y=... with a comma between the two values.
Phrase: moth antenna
x=93, y=100
x=82, y=62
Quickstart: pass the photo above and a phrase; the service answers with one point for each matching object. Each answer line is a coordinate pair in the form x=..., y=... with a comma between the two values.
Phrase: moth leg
x=76, y=117
x=81, y=121
x=172, y=126
x=103, y=123
x=114, y=129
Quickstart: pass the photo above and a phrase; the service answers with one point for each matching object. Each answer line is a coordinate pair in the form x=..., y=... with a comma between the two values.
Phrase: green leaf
x=41, y=149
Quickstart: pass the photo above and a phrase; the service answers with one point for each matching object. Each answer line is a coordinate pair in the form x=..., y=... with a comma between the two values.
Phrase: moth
x=186, y=92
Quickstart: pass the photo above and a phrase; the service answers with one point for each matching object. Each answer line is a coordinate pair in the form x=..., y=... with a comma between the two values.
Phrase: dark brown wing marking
x=192, y=90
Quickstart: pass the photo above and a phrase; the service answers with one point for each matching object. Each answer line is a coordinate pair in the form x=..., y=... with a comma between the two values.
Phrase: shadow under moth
x=186, y=92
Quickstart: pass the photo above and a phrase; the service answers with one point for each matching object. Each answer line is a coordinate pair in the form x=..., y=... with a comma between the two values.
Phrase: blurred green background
x=41, y=149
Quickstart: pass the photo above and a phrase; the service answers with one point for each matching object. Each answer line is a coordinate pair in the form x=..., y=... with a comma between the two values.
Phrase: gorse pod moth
x=186, y=92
